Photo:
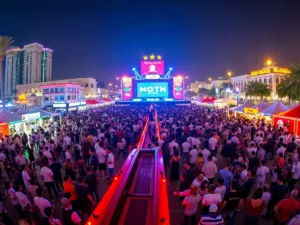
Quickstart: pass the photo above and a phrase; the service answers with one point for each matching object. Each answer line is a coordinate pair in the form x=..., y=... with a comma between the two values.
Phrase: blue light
x=133, y=69
x=171, y=68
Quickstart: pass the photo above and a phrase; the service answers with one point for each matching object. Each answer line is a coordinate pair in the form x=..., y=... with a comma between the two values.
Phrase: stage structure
x=152, y=84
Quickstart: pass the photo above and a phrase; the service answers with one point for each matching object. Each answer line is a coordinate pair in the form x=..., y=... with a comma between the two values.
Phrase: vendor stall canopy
x=8, y=117
x=276, y=108
x=262, y=105
x=294, y=113
x=247, y=104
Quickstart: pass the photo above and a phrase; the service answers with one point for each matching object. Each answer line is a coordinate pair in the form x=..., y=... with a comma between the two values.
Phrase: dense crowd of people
x=231, y=166
x=60, y=163
x=226, y=168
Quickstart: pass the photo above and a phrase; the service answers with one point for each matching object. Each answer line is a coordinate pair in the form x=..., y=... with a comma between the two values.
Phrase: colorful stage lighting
x=171, y=68
x=133, y=69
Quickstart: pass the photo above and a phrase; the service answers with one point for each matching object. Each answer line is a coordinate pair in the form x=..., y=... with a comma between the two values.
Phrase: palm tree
x=5, y=45
x=290, y=87
x=255, y=89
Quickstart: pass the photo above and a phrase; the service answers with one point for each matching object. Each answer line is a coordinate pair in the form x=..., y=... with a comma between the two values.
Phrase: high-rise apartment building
x=32, y=64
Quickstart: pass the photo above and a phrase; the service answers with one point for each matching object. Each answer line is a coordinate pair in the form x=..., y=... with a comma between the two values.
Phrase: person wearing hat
x=212, y=218
x=70, y=217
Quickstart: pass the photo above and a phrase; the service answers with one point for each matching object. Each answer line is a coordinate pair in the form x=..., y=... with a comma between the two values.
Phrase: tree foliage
x=255, y=89
x=290, y=87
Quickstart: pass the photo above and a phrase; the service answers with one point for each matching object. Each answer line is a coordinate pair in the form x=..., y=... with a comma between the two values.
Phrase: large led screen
x=152, y=89
x=152, y=67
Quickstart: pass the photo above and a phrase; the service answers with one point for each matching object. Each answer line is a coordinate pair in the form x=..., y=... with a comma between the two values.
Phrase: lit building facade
x=32, y=64
x=270, y=74
x=87, y=86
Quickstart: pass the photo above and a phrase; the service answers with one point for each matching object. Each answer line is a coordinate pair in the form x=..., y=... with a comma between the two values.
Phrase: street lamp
x=117, y=78
x=229, y=74
x=110, y=84
x=187, y=77
x=209, y=79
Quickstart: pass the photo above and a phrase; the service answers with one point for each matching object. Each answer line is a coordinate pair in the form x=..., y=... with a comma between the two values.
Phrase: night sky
x=198, y=38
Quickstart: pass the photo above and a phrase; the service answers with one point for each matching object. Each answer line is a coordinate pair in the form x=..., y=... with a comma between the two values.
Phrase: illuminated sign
x=154, y=89
x=59, y=105
x=270, y=70
x=152, y=76
x=251, y=110
x=156, y=67
x=178, y=88
x=31, y=116
x=74, y=104
x=126, y=88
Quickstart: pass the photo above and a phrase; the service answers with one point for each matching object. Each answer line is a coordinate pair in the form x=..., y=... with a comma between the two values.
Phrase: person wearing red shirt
x=286, y=208
x=280, y=161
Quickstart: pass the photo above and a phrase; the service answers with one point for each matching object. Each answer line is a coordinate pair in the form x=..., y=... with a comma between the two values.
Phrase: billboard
x=153, y=89
x=178, y=88
x=152, y=67
x=126, y=88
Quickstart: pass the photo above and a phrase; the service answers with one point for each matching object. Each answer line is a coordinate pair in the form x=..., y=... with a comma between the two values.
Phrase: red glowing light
x=116, y=178
x=164, y=180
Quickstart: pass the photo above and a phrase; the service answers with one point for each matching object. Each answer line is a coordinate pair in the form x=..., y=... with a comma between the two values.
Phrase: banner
x=126, y=88
x=251, y=110
x=4, y=130
x=178, y=88
x=152, y=67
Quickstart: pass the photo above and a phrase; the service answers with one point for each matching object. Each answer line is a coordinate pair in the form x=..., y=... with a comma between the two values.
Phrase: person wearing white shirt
x=110, y=163
x=295, y=174
x=221, y=189
x=266, y=198
x=199, y=180
x=48, y=155
x=22, y=198
x=67, y=140
x=251, y=149
x=25, y=176
x=21, y=159
x=171, y=147
x=243, y=175
x=185, y=150
x=196, y=141
x=235, y=139
x=212, y=142
x=97, y=146
x=261, y=174
x=281, y=149
x=191, y=204
x=258, y=139
x=193, y=155
x=205, y=153
x=210, y=169
x=47, y=176
x=41, y=202
x=2, y=156
x=211, y=198
x=101, y=155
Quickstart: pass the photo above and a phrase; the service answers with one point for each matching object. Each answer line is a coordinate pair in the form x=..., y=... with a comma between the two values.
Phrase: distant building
x=219, y=82
x=88, y=88
x=270, y=74
x=32, y=64
x=196, y=85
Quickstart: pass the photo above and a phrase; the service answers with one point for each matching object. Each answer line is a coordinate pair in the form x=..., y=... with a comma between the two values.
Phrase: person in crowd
x=286, y=208
x=175, y=165
x=110, y=163
x=70, y=217
x=56, y=170
x=254, y=208
x=85, y=199
x=212, y=217
x=210, y=198
x=221, y=189
x=48, y=178
x=226, y=175
x=48, y=212
x=91, y=180
x=41, y=202
x=69, y=187
x=210, y=169
x=4, y=216
x=191, y=203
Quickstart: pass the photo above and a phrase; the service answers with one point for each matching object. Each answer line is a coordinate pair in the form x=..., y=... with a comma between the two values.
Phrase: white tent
x=276, y=108
x=247, y=104
x=8, y=117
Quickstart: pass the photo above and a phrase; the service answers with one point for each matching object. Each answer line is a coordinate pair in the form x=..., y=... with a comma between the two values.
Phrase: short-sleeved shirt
x=47, y=174
x=278, y=193
x=284, y=212
x=191, y=205
x=91, y=181
x=69, y=188
x=82, y=193
x=232, y=200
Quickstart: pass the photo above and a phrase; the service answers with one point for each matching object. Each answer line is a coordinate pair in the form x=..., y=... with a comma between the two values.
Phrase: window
x=51, y=90
x=69, y=89
x=73, y=89
x=69, y=97
x=86, y=85
x=56, y=89
x=265, y=80
x=61, y=90
x=277, y=80
x=51, y=98
x=56, y=98
x=92, y=85
x=260, y=80
x=61, y=97
x=46, y=98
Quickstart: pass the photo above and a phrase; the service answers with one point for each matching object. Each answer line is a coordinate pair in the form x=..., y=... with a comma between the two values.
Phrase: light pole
x=229, y=73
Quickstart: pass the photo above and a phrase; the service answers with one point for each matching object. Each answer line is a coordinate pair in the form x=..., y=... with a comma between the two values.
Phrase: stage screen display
x=178, y=88
x=152, y=89
x=126, y=88
x=152, y=67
